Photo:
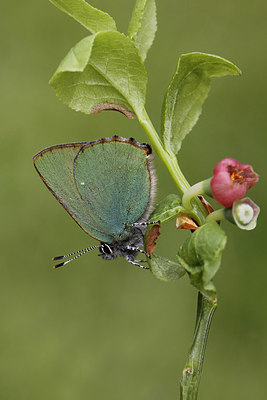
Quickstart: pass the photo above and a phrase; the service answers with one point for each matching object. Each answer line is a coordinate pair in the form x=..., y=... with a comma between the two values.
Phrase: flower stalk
x=195, y=190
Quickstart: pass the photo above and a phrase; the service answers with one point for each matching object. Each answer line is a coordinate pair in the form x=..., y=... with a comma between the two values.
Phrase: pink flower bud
x=231, y=181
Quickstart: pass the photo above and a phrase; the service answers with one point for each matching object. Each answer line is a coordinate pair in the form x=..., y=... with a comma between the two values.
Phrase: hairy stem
x=192, y=371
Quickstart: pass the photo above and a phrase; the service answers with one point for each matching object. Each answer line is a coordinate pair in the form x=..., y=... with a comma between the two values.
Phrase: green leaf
x=187, y=92
x=102, y=71
x=167, y=209
x=91, y=18
x=164, y=269
x=200, y=255
x=143, y=26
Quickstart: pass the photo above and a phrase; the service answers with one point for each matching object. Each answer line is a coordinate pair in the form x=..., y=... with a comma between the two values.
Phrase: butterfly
x=108, y=187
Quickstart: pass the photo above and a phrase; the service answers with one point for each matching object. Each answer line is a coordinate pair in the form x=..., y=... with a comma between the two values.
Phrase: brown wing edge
x=57, y=146
x=121, y=139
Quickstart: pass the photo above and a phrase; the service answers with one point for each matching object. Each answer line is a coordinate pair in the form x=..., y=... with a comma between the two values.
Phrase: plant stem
x=192, y=371
x=171, y=163
x=206, y=307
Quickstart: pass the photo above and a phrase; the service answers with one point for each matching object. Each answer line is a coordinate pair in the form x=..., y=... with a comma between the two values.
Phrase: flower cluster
x=228, y=186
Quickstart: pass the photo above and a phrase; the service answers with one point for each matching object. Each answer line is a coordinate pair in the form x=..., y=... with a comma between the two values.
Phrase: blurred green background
x=97, y=329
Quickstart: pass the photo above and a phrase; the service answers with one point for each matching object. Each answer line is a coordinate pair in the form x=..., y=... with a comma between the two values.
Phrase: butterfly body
x=107, y=186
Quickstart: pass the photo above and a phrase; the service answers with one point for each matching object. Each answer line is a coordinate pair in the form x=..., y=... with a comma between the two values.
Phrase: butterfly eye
x=106, y=249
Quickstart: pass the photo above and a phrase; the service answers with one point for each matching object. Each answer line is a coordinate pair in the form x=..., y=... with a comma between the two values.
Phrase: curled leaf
x=151, y=238
x=102, y=71
x=184, y=221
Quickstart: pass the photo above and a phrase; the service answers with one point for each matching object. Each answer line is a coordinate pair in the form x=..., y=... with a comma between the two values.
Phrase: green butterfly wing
x=114, y=180
x=55, y=167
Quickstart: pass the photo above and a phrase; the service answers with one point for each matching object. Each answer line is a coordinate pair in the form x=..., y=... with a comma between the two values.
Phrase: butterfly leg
x=137, y=249
x=135, y=263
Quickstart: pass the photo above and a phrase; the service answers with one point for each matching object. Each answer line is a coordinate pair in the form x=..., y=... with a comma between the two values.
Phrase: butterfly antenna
x=79, y=253
x=145, y=223
x=76, y=252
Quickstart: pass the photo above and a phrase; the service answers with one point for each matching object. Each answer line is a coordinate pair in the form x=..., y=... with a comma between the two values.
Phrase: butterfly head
x=107, y=251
